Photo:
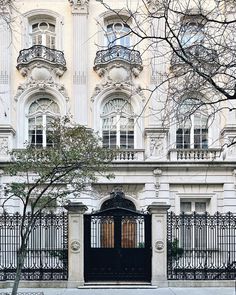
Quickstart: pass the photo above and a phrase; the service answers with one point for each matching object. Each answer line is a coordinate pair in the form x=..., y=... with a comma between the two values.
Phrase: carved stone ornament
x=159, y=245
x=3, y=146
x=47, y=84
x=117, y=77
x=79, y=6
x=155, y=6
x=75, y=246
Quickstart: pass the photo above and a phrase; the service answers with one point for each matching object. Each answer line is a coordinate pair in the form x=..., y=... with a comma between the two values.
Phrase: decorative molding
x=117, y=76
x=155, y=7
x=3, y=146
x=100, y=191
x=41, y=77
x=159, y=246
x=156, y=142
x=79, y=6
x=75, y=246
x=157, y=173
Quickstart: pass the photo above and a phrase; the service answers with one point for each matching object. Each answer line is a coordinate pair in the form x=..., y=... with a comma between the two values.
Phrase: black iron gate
x=117, y=242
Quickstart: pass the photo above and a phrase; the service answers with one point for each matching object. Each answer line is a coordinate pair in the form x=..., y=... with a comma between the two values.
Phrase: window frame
x=117, y=115
x=45, y=128
x=118, y=37
x=190, y=132
x=44, y=34
x=39, y=15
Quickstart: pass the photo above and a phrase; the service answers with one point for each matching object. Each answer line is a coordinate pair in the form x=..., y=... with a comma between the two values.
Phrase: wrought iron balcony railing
x=118, y=52
x=40, y=52
x=195, y=53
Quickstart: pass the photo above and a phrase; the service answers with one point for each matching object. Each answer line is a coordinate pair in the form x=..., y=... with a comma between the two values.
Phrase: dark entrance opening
x=117, y=242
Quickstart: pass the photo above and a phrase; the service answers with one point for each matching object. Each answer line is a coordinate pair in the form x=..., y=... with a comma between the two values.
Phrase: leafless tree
x=7, y=10
x=190, y=46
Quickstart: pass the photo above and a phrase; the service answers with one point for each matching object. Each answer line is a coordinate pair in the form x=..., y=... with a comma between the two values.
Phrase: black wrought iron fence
x=201, y=246
x=46, y=257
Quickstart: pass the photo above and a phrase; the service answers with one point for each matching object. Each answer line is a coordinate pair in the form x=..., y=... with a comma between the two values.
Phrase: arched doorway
x=117, y=242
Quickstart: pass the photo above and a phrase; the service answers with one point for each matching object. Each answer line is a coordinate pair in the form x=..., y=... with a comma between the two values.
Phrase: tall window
x=193, y=236
x=43, y=33
x=192, y=33
x=41, y=113
x=118, y=124
x=118, y=33
x=192, y=127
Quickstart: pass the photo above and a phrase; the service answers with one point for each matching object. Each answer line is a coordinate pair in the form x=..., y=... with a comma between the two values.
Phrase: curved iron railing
x=196, y=53
x=41, y=52
x=118, y=52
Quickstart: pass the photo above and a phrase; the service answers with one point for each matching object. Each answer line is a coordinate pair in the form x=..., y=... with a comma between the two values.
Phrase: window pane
x=117, y=116
x=192, y=33
x=200, y=207
x=36, y=137
x=130, y=139
x=109, y=139
x=185, y=206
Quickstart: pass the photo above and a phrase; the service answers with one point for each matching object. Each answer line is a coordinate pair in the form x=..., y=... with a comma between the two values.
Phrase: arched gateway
x=117, y=242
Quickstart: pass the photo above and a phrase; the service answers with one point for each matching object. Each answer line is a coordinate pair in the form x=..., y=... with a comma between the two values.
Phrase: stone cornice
x=79, y=6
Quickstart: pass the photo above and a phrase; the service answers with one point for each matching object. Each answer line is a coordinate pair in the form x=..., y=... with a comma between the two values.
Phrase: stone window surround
x=173, y=128
x=209, y=198
x=110, y=17
x=23, y=104
x=40, y=15
x=137, y=105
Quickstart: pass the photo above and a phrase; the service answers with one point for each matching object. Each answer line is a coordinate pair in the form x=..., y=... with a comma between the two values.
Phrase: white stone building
x=76, y=57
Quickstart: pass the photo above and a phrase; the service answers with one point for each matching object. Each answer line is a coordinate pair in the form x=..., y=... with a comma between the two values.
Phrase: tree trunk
x=20, y=263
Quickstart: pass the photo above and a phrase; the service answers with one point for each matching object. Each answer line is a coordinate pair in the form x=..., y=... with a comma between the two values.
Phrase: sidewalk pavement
x=128, y=291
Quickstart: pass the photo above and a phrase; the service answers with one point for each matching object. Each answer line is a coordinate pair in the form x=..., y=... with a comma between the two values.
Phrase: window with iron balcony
x=43, y=42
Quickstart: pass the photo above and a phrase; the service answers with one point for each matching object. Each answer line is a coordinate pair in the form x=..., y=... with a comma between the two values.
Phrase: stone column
x=80, y=59
x=76, y=212
x=158, y=210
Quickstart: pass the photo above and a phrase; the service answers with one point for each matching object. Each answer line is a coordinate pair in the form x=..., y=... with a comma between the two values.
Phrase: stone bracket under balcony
x=118, y=57
x=51, y=60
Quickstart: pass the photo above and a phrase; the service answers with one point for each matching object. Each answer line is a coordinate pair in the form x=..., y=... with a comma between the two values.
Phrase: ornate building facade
x=78, y=57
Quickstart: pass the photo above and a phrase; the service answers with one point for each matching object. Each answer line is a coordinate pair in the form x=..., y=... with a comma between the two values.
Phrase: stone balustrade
x=194, y=154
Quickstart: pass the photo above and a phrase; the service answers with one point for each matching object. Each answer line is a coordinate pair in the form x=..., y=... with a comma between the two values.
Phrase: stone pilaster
x=80, y=59
x=158, y=210
x=5, y=62
x=76, y=212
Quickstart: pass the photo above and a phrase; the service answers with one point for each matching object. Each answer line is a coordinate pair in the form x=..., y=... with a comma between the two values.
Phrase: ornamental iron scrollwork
x=40, y=52
x=195, y=53
x=118, y=52
x=118, y=200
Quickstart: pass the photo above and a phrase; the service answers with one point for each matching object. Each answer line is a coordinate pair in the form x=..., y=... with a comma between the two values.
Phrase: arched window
x=118, y=124
x=192, y=33
x=41, y=113
x=43, y=32
x=192, y=126
x=118, y=33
